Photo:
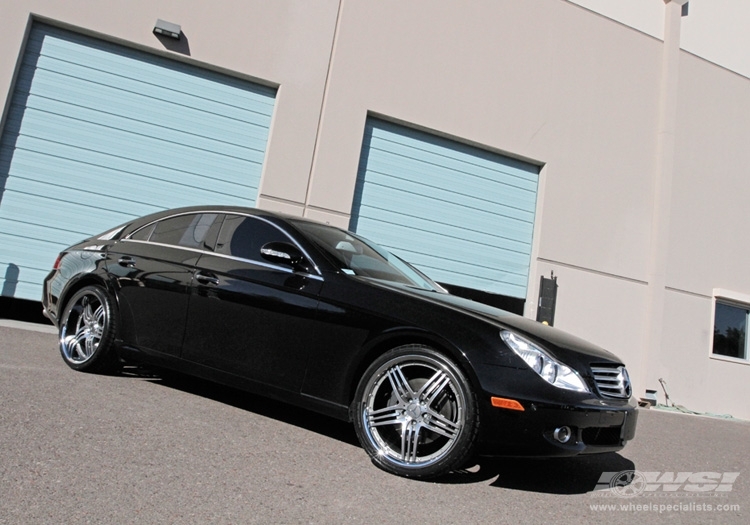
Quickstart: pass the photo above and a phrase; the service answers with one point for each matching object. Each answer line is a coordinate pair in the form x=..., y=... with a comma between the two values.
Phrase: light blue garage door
x=463, y=215
x=98, y=133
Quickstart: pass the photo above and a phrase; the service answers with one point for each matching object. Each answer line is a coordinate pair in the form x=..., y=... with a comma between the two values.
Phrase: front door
x=247, y=316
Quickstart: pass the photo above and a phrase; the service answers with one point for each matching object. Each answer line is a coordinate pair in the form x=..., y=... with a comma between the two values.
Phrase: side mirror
x=286, y=254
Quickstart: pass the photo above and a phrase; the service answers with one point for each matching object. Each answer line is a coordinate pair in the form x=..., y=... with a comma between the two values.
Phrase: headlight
x=549, y=369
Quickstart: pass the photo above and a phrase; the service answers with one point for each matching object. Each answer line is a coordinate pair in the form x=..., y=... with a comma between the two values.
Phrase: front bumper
x=594, y=427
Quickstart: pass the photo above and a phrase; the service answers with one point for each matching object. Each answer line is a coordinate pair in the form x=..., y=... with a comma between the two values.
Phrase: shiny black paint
x=152, y=284
x=253, y=321
x=306, y=334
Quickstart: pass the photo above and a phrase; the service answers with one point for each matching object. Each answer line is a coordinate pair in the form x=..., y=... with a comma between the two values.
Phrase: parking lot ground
x=146, y=448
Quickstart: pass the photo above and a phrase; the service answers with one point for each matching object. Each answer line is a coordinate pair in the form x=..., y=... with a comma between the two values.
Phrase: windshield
x=357, y=256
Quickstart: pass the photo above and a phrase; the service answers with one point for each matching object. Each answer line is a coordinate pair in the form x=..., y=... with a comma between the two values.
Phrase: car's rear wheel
x=415, y=413
x=87, y=331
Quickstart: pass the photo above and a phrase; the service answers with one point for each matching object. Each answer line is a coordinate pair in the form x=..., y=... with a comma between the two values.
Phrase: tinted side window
x=144, y=233
x=244, y=236
x=190, y=231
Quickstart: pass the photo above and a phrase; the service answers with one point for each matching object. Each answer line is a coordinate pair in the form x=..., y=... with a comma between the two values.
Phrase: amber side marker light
x=510, y=404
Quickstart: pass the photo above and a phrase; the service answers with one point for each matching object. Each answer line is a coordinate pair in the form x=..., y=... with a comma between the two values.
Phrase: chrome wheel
x=87, y=330
x=82, y=332
x=416, y=413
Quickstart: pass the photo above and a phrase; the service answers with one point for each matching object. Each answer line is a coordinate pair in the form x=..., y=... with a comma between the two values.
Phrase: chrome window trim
x=111, y=234
x=232, y=257
x=318, y=275
x=284, y=269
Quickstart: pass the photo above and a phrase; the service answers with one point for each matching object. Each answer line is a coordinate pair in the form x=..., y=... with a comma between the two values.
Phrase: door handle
x=206, y=278
x=127, y=261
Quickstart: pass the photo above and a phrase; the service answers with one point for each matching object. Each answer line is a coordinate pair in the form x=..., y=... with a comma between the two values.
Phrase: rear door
x=153, y=270
x=247, y=316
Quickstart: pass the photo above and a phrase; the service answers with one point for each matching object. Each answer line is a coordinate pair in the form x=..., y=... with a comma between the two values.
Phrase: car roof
x=136, y=223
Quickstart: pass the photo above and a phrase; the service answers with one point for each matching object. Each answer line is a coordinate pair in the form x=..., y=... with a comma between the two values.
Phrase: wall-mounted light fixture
x=167, y=29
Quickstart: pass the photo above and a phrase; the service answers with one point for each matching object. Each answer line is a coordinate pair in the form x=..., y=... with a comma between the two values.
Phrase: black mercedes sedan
x=317, y=316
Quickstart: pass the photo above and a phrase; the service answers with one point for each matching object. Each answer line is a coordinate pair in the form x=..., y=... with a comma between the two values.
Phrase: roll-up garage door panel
x=157, y=78
x=23, y=281
x=98, y=133
x=440, y=169
x=510, y=264
x=391, y=227
x=96, y=118
x=413, y=198
x=56, y=168
x=55, y=131
x=463, y=215
x=146, y=107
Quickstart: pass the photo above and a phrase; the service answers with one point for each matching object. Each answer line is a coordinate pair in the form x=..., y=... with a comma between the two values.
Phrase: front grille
x=612, y=381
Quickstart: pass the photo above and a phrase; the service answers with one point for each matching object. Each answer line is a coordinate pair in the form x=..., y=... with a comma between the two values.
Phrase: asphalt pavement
x=145, y=448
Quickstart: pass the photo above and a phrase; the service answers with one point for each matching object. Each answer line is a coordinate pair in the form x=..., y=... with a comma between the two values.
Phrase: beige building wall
x=545, y=81
x=707, y=245
x=715, y=30
x=644, y=15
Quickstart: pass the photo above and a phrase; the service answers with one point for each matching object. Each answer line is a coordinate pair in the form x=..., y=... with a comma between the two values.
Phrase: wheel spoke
x=392, y=415
x=91, y=343
x=99, y=314
x=97, y=326
x=433, y=387
x=410, y=442
x=86, y=306
x=75, y=342
x=442, y=425
x=400, y=384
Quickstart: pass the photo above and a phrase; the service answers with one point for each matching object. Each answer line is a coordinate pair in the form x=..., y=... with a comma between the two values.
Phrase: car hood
x=562, y=342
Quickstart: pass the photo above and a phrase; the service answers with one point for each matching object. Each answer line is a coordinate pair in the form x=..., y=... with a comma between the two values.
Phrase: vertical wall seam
x=323, y=101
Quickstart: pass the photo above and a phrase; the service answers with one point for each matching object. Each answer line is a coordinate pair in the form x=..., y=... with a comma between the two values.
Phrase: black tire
x=415, y=413
x=88, y=328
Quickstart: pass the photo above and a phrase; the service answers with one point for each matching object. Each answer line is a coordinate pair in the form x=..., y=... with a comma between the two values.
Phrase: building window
x=730, y=329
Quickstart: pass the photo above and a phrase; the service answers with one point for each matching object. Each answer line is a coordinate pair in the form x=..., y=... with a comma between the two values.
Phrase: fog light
x=562, y=434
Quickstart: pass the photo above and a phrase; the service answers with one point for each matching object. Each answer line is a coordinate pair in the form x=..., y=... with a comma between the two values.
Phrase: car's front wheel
x=88, y=327
x=415, y=413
